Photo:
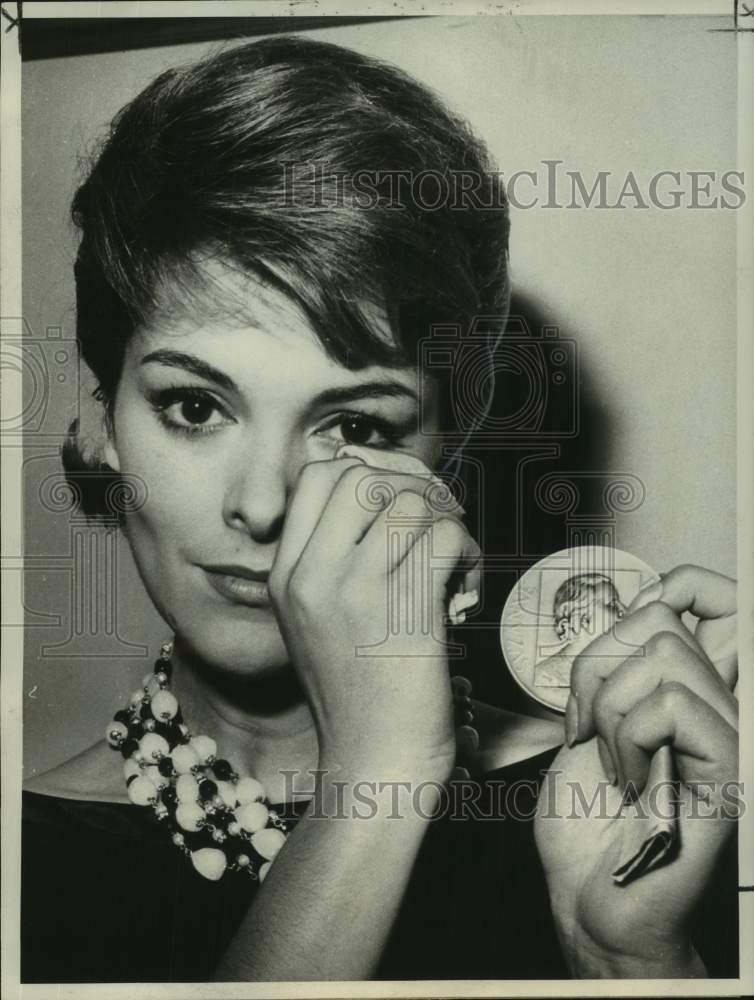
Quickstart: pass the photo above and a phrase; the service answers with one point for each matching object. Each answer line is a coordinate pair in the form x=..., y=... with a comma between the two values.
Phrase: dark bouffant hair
x=254, y=155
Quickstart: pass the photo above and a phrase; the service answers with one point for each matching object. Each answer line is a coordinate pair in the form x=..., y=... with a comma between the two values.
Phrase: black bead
x=207, y=789
x=222, y=770
x=123, y=716
x=146, y=712
x=163, y=666
x=165, y=766
x=169, y=797
x=135, y=730
x=167, y=732
x=128, y=747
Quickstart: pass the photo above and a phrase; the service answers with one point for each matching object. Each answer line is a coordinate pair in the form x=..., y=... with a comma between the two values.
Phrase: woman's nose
x=258, y=491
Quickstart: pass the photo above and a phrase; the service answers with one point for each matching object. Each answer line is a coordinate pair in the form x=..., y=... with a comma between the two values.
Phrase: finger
x=705, y=746
x=703, y=592
x=439, y=554
x=668, y=660
x=711, y=597
x=438, y=494
x=411, y=513
x=313, y=489
x=596, y=663
x=362, y=496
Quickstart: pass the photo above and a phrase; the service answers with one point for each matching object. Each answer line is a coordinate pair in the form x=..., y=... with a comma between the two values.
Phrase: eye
x=364, y=429
x=189, y=410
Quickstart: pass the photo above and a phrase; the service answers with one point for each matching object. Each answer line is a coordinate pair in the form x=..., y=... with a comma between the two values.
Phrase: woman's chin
x=251, y=648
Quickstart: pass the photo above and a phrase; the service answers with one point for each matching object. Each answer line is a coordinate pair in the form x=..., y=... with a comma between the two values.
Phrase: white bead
x=252, y=817
x=130, y=768
x=184, y=757
x=263, y=870
x=234, y=828
x=153, y=746
x=249, y=790
x=153, y=686
x=205, y=747
x=142, y=791
x=268, y=842
x=187, y=788
x=116, y=733
x=157, y=779
x=209, y=862
x=146, y=679
x=227, y=792
x=164, y=705
x=135, y=698
x=189, y=815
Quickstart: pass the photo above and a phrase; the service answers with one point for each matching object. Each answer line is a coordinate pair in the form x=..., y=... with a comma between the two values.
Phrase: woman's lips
x=239, y=590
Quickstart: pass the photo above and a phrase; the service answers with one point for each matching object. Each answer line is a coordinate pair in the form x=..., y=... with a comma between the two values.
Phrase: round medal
x=558, y=607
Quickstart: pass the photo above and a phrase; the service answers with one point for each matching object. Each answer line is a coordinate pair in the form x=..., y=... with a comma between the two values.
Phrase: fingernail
x=571, y=721
x=348, y=451
x=607, y=761
x=648, y=593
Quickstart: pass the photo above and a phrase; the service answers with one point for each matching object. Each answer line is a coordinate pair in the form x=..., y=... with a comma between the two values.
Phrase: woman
x=253, y=285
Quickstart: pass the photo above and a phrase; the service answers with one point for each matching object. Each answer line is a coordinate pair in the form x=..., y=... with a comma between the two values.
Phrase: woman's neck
x=262, y=725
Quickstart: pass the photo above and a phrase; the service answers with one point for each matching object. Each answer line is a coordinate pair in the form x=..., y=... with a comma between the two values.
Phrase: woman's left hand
x=648, y=683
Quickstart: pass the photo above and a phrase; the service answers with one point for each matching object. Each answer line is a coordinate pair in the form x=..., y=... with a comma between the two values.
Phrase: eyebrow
x=341, y=394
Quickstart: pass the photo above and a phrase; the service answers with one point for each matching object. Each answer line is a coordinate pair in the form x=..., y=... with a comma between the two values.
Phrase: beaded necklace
x=219, y=820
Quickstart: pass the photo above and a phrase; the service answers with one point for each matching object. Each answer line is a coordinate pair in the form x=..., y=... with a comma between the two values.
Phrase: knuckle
x=449, y=532
x=409, y=502
x=656, y=616
x=671, y=694
x=665, y=645
x=683, y=571
x=312, y=472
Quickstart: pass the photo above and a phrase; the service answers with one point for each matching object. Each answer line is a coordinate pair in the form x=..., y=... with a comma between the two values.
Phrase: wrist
x=387, y=789
x=386, y=764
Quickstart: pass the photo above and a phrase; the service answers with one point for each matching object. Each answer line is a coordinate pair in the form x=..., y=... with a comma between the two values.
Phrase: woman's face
x=217, y=410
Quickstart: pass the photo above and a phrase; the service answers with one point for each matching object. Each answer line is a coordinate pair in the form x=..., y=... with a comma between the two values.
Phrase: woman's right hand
x=359, y=590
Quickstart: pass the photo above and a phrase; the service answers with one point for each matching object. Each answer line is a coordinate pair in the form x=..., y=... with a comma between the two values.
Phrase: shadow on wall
x=544, y=453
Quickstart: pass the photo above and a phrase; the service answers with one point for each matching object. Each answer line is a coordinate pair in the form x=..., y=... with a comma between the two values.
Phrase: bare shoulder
x=507, y=737
x=95, y=774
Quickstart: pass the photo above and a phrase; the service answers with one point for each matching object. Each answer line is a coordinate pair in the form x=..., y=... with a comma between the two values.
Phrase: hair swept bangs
x=253, y=154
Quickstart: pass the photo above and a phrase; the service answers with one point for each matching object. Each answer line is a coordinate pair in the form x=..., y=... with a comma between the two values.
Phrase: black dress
x=107, y=898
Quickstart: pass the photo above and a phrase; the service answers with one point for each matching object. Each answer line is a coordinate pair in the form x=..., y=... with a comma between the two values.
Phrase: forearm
x=330, y=899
